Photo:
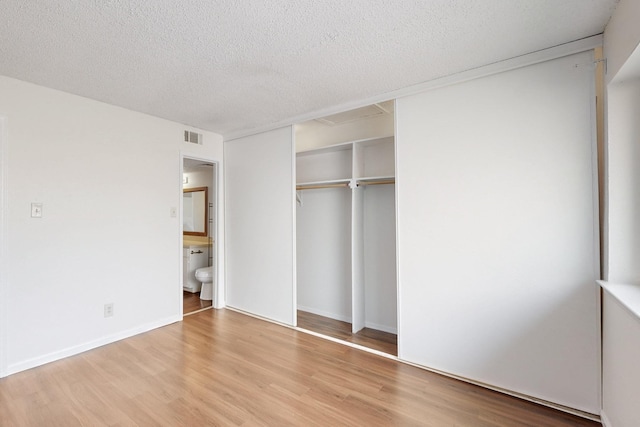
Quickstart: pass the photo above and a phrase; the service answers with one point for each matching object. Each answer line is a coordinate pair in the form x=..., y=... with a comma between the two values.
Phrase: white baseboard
x=328, y=314
x=81, y=348
x=605, y=420
x=383, y=328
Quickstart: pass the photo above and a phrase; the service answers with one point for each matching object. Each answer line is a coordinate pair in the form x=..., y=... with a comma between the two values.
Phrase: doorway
x=199, y=229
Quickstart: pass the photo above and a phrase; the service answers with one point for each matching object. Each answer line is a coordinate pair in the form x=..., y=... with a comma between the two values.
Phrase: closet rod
x=314, y=187
x=380, y=182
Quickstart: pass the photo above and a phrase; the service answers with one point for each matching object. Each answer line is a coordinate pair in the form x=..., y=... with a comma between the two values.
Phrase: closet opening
x=345, y=227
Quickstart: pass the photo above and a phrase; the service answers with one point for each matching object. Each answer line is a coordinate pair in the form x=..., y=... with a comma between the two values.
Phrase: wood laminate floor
x=191, y=302
x=371, y=338
x=223, y=368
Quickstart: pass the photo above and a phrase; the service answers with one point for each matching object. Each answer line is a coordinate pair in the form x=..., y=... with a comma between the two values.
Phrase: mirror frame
x=206, y=211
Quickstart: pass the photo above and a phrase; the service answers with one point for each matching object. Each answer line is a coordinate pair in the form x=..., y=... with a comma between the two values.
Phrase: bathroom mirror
x=194, y=211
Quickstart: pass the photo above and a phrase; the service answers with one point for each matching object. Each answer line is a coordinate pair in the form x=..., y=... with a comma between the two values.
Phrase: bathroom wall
x=204, y=177
x=108, y=179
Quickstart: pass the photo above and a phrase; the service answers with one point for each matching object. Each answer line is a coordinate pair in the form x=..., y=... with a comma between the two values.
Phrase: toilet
x=205, y=275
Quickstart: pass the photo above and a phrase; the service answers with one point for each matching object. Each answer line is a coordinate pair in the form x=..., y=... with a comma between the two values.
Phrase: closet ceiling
x=230, y=66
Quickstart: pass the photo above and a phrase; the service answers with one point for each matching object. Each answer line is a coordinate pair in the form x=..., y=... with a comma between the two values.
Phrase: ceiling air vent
x=192, y=137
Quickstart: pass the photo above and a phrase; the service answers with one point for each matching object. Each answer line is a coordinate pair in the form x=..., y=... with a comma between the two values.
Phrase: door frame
x=4, y=191
x=214, y=229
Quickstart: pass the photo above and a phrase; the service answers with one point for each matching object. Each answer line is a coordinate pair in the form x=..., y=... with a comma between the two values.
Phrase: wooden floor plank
x=219, y=367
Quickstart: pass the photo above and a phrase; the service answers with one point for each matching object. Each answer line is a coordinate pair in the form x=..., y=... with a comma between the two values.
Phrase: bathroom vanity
x=194, y=256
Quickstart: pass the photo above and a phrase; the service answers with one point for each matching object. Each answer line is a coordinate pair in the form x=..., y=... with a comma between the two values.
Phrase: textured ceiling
x=229, y=66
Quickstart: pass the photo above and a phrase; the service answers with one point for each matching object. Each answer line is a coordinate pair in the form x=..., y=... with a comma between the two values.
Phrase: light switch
x=36, y=210
x=173, y=212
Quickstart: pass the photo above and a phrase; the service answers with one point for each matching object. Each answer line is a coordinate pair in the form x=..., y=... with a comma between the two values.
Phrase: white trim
x=597, y=258
x=294, y=239
x=605, y=420
x=255, y=316
x=627, y=295
x=77, y=349
x=398, y=174
x=180, y=251
x=219, y=292
x=325, y=314
x=197, y=311
x=4, y=190
x=548, y=54
x=225, y=212
x=379, y=327
x=383, y=328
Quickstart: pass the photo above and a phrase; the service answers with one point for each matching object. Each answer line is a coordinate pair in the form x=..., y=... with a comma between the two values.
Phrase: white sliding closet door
x=497, y=231
x=259, y=200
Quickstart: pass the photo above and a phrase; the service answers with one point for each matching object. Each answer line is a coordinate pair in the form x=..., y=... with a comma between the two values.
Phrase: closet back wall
x=323, y=236
x=379, y=230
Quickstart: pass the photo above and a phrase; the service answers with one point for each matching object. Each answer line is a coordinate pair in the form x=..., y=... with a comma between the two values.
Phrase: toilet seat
x=204, y=274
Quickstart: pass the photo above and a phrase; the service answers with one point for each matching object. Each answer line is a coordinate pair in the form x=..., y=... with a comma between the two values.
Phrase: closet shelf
x=345, y=145
x=336, y=183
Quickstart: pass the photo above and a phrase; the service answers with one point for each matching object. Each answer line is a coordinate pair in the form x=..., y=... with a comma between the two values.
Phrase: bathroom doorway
x=199, y=234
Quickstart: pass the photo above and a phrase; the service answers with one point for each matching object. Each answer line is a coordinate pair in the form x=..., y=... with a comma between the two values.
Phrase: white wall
x=323, y=233
x=497, y=231
x=621, y=371
x=260, y=223
x=620, y=357
x=379, y=231
x=107, y=178
x=622, y=51
x=623, y=180
x=621, y=36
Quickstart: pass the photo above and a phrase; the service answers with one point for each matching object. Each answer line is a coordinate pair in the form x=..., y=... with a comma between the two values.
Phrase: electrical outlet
x=108, y=310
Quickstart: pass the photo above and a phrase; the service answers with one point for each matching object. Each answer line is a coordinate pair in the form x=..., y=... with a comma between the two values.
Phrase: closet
x=346, y=237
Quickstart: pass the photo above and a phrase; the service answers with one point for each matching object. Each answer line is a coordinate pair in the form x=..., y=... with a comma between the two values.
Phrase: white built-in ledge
x=627, y=295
